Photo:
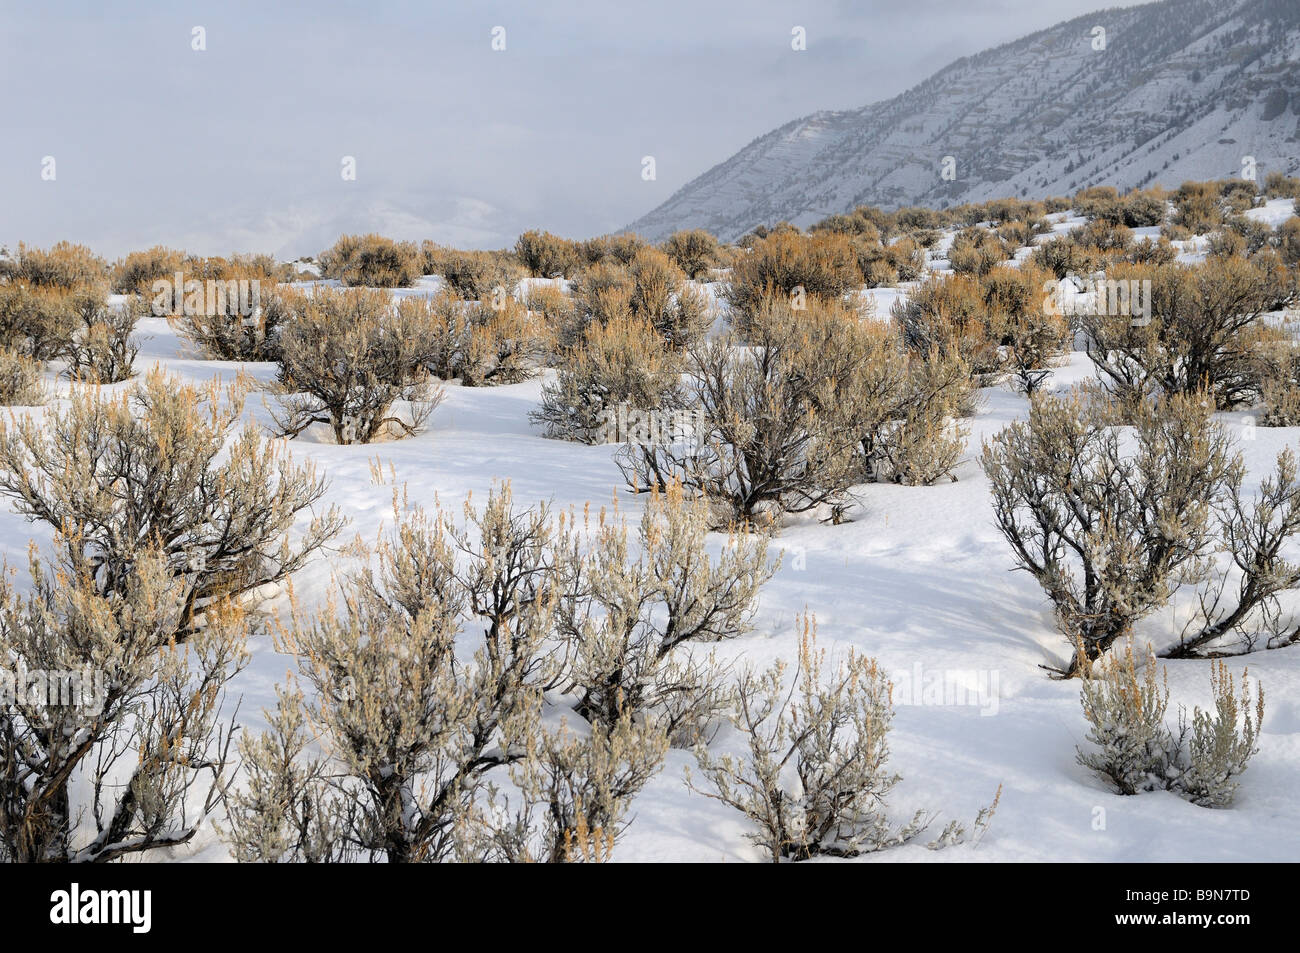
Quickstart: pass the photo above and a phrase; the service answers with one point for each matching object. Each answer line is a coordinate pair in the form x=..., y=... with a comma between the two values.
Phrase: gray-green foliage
x=813, y=775
x=130, y=757
x=1111, y=523
x=1133, y=746
x=427, y=684
x=1126, y=723
x=633, y=632
x=1217, y=745
x=20, y=379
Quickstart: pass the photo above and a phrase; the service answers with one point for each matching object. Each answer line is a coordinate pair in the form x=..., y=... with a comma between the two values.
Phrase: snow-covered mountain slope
x=1183, y=89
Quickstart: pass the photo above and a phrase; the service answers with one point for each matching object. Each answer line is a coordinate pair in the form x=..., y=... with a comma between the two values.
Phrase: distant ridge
x=1184, y=89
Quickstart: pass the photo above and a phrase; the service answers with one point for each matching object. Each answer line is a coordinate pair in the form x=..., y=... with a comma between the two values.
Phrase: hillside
x=1184, y=89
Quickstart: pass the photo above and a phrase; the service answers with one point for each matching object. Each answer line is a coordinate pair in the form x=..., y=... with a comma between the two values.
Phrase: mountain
x=1183, y=89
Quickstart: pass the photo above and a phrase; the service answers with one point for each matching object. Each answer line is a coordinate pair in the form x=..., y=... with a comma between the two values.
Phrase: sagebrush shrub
x=546, y=255
x=498, y=340
x=1288, y=240
x=1135, y=748
x=371, y=261
x=1033, y=331
x=1218, y=745
x=1280, y=387
x=1281, y=283
x=163, y=466
x=1099, y=202
x=621, y=367
x=1253, y=233
x=1204, y=332
x=558, y=311
x=603, y=293
x=1198, y=207
x=617, y=249
x=214, y=268
x=650, y=288
x=473, y=274
x=1126, y=722
x=1021, y=234
x=818, y=400
x=886, y=264
x=444, y=327
x=814, y=776
x=1151, y=252
x=775, y=421
x=506, y=343
x=1145, y=208
x=1110, y=534
x=129, y=757
x=660, y=295
x=20, y=379
x=1139, y=208
x=634, y=634
x=414, y=730
x=877, y=272
x=38, y=322
x=64, y=265
x=1010, y=211
x=142, y=271
x=1238, y=194
x=1226, y=243
x=230, y=333
x=949, y=316
x=1064, y=257
x=136, y=273
x=1052, y=498
x=1110, y=237
x=823, y=266
x=975, y=251
x=102, y=350
x=419, y=731
x=907, y=254
x=1277, y=185
x=283, y=812
x=912, y=434
x=913, y=218
x=576, y=791
x=694, y=251
x=346, y=357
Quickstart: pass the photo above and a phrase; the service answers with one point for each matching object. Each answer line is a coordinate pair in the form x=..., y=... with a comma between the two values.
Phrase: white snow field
x=920, y=579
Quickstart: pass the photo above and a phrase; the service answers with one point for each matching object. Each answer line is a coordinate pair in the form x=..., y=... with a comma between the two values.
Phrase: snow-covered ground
x=919, y=579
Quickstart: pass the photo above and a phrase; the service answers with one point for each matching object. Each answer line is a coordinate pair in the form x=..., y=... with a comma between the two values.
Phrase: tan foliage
x=346, y=357
x=621, y=366
x=20, y=380
x=824, y=265
x=371, y=261
x=64, y=265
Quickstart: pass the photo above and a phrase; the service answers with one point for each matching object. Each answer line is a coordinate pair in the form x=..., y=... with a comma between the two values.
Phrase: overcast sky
x=239, y=147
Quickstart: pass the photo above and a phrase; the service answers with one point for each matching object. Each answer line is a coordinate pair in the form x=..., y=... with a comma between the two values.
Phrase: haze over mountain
x=1176, y=90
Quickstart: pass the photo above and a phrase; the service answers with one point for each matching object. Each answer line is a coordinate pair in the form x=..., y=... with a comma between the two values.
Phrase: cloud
x=241, y=143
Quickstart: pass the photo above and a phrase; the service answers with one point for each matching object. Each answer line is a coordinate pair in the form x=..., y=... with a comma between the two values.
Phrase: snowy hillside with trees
x=1153, y=94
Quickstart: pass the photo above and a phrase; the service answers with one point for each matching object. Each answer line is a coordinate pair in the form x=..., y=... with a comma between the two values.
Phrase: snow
x=920, y=579
x=1273, y=212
